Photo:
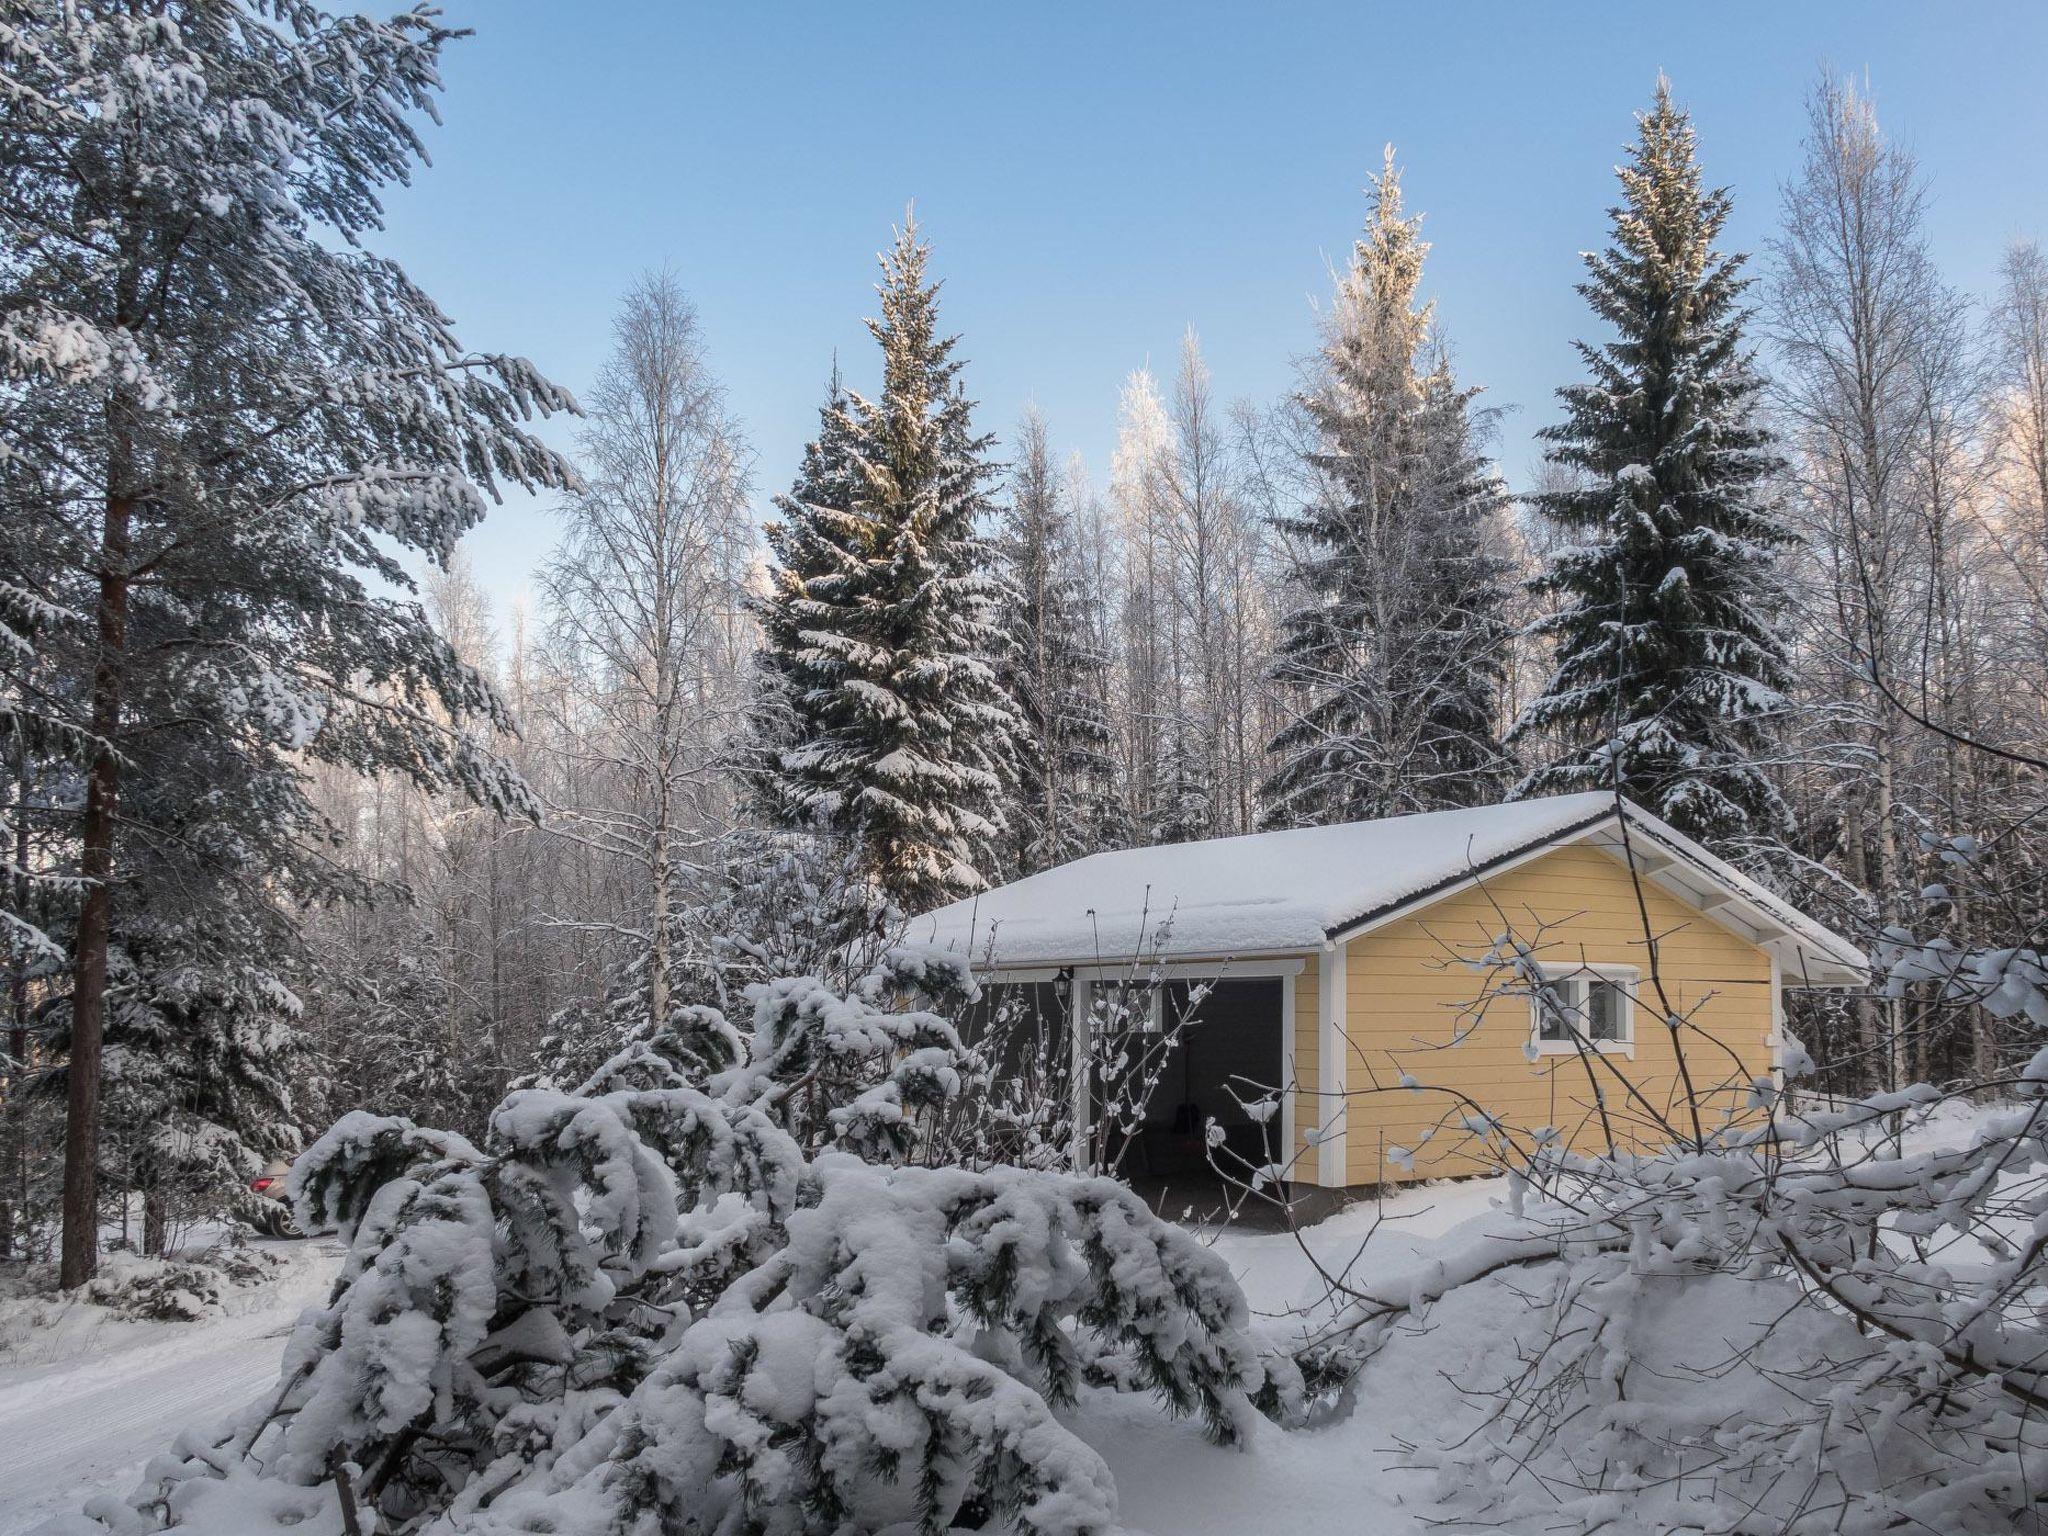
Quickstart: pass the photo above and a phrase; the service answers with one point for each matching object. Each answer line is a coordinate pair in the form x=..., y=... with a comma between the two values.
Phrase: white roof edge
x=1367, y=922
x=995, y=963
x=1841, y=962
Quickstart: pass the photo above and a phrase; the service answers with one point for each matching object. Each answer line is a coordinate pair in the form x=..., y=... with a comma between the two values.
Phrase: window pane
x=1143, y=1008
x=1568, y=996
x=1604, y=1011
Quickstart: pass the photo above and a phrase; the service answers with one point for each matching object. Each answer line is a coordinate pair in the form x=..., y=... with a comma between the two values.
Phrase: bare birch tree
x=1855, y=305
x=1919, y=584
x=646, y=622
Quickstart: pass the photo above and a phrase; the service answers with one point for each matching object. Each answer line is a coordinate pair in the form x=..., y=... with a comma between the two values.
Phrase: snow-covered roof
x=1292, y=892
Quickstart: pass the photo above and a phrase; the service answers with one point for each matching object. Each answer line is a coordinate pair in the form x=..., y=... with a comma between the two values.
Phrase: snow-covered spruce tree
x=198, y=1068
x=868, y=1063
x=1064, y=770
x=1669, y=663
x=1184, y=809
x=883, y=618
x=199, y=1035
x=638, y=1307
x=813, y=536
x=1396, y=648
x=42, y=751
x=579, y=1039
x=791, y=904
x=231, y=423
x=408, y=1046
x=43, y=746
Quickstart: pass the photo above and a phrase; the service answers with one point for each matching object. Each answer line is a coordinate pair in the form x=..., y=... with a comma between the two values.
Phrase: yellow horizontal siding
x=1407, y=995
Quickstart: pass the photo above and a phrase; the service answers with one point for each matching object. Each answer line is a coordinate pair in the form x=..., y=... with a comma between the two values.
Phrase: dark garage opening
x=1231, y=1050
x=1229, y=1054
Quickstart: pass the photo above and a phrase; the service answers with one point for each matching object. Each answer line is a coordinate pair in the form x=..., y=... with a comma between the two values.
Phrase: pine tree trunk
x=156, y=1223
x=14, y=1234
x=80, y=1257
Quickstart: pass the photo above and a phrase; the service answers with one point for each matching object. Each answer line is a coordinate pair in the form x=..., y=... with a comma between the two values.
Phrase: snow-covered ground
x=1346, y=1476
x=86, y=1398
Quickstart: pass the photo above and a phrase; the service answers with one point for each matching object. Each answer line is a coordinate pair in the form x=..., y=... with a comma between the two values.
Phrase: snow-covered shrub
x=154, y=1290
x=792, y=903
x=580, y=1039
x=868, y=1065
x=176, y=1290
x=1020, y=1111
x=242, y=1265
x=1795, y=1327
x=640, y=1306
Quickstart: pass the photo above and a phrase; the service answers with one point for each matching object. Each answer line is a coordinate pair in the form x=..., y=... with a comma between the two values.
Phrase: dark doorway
x=1230, y=1052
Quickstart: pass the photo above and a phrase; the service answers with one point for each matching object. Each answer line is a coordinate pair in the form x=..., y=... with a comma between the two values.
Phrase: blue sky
x=1097, y=178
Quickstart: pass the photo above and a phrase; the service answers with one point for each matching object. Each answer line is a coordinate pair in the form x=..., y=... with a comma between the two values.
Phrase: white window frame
x=1623, y=978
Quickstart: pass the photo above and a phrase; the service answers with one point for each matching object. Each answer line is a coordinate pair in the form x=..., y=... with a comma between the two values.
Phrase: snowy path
x=84, y=1405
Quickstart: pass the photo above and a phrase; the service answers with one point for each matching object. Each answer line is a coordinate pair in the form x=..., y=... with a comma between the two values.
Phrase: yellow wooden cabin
x=1349, y=964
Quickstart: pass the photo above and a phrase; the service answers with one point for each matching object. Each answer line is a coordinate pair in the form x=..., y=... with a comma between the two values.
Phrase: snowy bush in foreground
x=640, y=1307
x=1793, y=1327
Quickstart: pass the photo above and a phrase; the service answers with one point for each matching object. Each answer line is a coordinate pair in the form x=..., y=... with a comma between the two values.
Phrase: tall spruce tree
x=1669, y=665
x=227, y=423
x=883, y=618
x=200, y=1019
x=1396, y=651
x=199, y=1057
x=814, y=537
x=1064, y=770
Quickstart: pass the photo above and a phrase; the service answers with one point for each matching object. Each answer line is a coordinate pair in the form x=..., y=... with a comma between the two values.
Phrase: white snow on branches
x=641, y=1306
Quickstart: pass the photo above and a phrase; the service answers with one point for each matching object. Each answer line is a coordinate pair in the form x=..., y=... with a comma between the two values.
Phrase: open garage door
x=1230, y=1048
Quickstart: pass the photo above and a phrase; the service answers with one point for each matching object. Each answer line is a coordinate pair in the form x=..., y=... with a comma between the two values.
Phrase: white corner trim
x=1776, y=1039
x=1285, y=1154
x=1331, y=1114
x=1079, y=1006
